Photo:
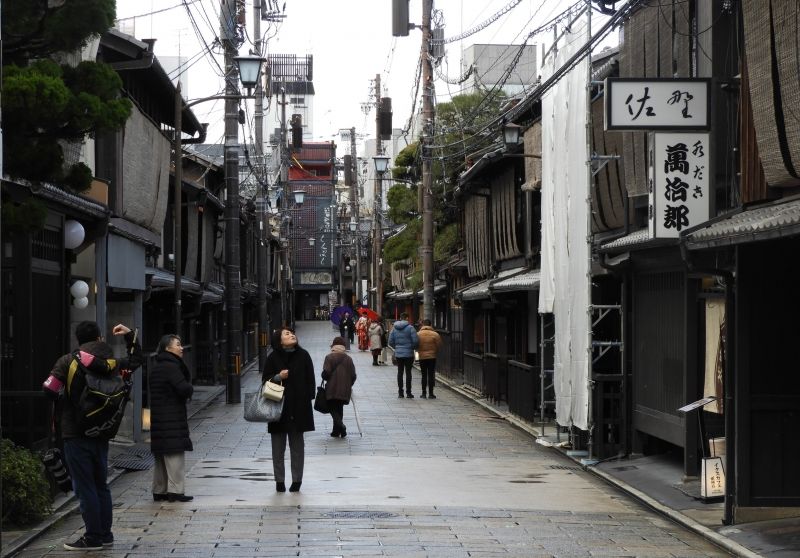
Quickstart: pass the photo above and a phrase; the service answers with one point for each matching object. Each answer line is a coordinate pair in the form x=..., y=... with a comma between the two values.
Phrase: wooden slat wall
x=476, y=231
x=608, y=191
x=504, y=234
x=772, y=25
x=753, y=183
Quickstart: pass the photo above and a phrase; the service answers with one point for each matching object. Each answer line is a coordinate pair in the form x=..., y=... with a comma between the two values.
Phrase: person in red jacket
x=429, y=343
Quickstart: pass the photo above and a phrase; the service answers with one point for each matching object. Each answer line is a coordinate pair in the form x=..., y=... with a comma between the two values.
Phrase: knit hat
x=339, y=341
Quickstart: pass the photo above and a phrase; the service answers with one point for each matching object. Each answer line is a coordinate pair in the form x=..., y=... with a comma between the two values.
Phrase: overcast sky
x=351, y=41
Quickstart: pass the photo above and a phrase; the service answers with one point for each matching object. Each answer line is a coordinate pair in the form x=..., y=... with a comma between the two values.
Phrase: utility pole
x=262, y=250
x=284, y=178
x=177, y=203
x=233, y=314
x=427, y=164
x=354, y=211
x=376, y=221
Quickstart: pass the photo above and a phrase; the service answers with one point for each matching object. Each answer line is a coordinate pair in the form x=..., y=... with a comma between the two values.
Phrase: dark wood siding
x=659, y=354
x=768, y=384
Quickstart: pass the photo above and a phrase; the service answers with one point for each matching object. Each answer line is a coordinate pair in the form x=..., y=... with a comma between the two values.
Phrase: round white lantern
x=73, y=234
x=79, y=289
x=82, y=302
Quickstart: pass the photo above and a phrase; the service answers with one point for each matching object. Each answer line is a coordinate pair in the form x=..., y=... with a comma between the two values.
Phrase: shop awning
x=164, y=280
x=527, y=281
x=476, y=291
x=778, y=219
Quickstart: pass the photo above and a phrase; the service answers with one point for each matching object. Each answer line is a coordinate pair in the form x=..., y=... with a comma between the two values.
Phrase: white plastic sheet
x=565, y=272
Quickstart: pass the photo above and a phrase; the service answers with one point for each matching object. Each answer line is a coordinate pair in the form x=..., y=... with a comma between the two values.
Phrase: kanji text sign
x=653, y=104
x=678, y=182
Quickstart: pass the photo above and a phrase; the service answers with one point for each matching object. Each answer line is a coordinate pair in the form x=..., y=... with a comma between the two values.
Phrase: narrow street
x=422, y=478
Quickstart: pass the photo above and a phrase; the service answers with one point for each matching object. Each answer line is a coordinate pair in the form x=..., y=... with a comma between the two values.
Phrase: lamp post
x=286, y=268
x=381, y=165
x=249, y=69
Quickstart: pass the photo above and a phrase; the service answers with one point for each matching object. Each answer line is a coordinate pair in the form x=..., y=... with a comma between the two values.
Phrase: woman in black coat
x=170, y=388
x=291, y=365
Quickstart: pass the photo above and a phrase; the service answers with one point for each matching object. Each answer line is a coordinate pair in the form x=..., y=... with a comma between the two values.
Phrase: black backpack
x=98, y=394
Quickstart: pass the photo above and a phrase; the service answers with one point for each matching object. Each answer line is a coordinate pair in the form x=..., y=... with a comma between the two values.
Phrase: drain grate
x=133, y=462
x=135, y=458
x=564, y=467
x=360, y=515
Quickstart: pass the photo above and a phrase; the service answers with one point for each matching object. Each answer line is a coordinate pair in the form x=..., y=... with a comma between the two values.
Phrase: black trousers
x=428, y=370
x=404, y=364
x=336, y=408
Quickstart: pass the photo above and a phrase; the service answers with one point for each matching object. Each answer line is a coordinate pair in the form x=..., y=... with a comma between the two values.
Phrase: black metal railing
x=473, y=370
x=523, y=389
x=495, y=377
x=449, y=362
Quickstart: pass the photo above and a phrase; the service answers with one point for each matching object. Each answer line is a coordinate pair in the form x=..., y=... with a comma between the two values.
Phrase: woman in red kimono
x=361, y=331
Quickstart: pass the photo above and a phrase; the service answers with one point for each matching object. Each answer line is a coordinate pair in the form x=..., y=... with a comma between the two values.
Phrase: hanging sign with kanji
x=678, y=182
x=657, y=104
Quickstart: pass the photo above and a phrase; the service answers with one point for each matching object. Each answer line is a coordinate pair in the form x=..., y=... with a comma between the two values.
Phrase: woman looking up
x=290, y=365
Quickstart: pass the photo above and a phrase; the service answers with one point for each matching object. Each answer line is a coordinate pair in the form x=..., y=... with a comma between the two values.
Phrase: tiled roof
x=775, y=220
x=476, y=291
x=527, y=281
x=636, y=237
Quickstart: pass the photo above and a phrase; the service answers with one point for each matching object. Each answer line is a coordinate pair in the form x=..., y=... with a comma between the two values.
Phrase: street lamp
x=249, y=68
x=299, y=197
x=511, y=133
x=381, y=166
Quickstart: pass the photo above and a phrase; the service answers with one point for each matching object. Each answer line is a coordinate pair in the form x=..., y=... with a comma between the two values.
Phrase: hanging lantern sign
x=81, y=303
x=74, y=234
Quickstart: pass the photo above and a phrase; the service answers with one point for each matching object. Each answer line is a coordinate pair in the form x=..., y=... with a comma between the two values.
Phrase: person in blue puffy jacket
x=403, y=339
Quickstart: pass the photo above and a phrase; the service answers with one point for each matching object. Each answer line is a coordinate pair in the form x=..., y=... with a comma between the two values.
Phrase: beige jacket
x=429, y=342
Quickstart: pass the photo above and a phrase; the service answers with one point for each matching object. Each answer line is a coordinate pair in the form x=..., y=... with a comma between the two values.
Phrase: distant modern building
x=490, y=64
x=293, y=75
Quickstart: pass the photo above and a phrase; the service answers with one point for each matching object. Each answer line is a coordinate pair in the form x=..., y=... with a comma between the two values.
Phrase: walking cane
x=355, y=412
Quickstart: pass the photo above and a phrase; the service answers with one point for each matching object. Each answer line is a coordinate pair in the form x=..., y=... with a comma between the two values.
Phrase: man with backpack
x=92, y=388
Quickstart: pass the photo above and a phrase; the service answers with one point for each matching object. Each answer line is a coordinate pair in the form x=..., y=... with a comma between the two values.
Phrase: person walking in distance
x=86, y=451
x=375, y=332
x=290, y=365
x=403, y=339
x=339, y=372
x=170, y=389
x=429, y=343
x=347, y=328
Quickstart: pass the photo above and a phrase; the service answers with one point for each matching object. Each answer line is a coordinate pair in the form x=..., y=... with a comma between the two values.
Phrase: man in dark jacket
x=170, y=388
x=403, y=339
x=87, y=457
x=340, y=373
x=347, y=329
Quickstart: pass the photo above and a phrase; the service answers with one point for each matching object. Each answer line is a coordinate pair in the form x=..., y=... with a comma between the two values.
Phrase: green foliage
x=408, y=164
x=414, y=281
x=24, y=217
x=26, y=492
x=402, y=204
x=41, y=28
x=403, y=245
x=445, y=242
x=44, y=103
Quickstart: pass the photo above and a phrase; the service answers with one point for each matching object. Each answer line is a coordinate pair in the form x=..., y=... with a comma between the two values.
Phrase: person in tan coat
x=429, y=343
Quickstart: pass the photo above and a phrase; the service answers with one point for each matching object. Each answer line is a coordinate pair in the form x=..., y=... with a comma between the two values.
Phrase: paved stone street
x=425, y=478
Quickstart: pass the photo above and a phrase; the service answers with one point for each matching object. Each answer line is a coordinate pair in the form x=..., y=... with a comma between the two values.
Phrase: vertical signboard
x=678, y=182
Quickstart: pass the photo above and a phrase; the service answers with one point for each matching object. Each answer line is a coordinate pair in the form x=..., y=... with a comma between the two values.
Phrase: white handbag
x=272, y=391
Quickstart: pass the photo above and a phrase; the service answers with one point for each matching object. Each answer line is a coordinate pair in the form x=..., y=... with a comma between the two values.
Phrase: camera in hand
x=54, y=462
